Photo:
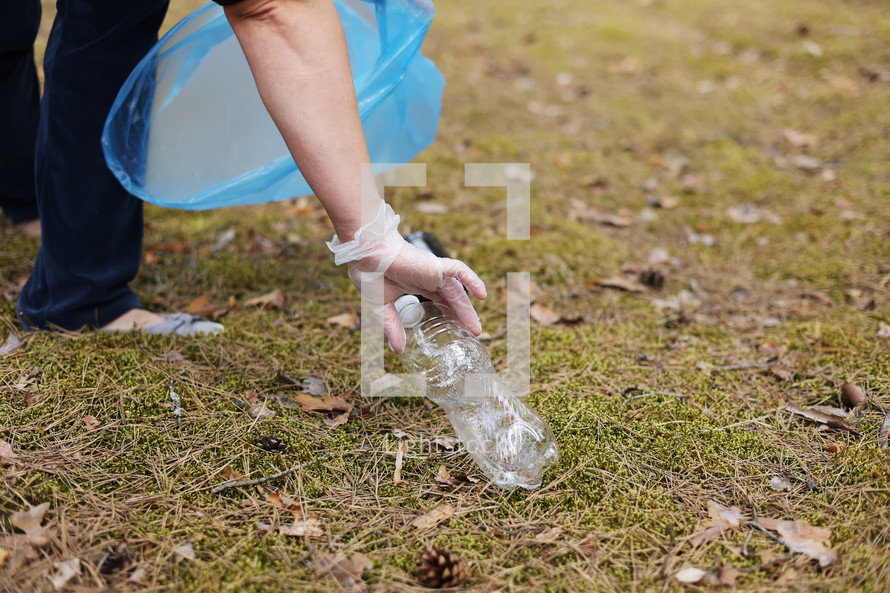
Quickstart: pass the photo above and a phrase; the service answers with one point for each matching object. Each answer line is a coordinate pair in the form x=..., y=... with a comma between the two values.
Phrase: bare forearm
x=297, y=53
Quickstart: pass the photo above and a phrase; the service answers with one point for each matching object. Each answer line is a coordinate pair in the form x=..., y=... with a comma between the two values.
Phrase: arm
x=297, y=54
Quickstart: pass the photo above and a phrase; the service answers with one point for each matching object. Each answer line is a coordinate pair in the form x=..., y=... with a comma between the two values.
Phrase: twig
x=772, y=536
x=281, y=474
x=642, y=395
x=750, y=533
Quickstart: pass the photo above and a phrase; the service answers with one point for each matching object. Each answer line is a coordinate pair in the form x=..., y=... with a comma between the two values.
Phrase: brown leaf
x=727, y=576
x=231, y=475
x=91, y=422
x=622, y=284
x=270, y=300
x=779, y=484
x=549, y=536
x=260, y=410
x=183, y=553
x=65, y=571
x=883, y=330
x=800, y=139
x=772, y=348
x=821, y=417
x=443, y=475
x=348, y=573
x=302, y=526
x=722, y=519
x=29, y=521
x=348, y=320
x=543, y=314
x=284, y=501
x=13, y=343
x=325, y=403
x=690, y=575
x=799, y=536
x=400, y=455
x=884, y=434
x=782, y=374
x=4, y=555
x=434, y=516
x=336, y=421
x=199, y=306
x=7, y=455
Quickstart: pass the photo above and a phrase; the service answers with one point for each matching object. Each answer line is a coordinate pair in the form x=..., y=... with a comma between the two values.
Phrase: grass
x=600, y=98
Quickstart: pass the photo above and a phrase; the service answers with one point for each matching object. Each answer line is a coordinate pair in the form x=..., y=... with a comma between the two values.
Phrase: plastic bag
x=188, y=129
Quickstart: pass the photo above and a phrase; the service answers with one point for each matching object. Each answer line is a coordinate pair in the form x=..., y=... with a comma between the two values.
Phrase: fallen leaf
x=224, y=238
x=348, y=320
x=800, y=139
x=91, y=422
x=690, y=575
x=779, y=484
x=260, y=526
x=230, y=475
x=788, y=575
x=302, y=526
x=434, y=516
x=400, y=456
x=4, y=554
x=772, y=348
x=883, y=330
x=199, y=306
x=65, y=571
x=622, y=284
x=325, y=403
x=443, y=475
x=548, y=536
x=314, y=386
x=138, y=576
x=727, y=576
x=782, y=374
x=446, y=442
x=7, y=455
x=884, y=434
x=751, y=213
x=185, y=552
x=13, y=343
x=337, y=420
x=799, y=536
x=260, y=411
x=543, y=314
x=347, y=572
x=270, y=300
x=813, y=48
x=29, y=521
x=821, y=417
x=722, y=519
x=806, y=163
x=284, y=501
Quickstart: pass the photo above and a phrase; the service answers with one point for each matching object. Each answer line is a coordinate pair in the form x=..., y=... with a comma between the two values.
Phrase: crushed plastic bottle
x=511, y=444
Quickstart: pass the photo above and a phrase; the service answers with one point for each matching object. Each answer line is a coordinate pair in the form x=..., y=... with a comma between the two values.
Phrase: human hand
x=378, y=252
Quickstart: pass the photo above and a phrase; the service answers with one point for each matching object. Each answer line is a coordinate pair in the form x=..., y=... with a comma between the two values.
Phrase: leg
x=92, y=228
x=19, y=108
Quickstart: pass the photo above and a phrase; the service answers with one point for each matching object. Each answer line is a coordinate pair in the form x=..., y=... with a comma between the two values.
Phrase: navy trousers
x=91, y=227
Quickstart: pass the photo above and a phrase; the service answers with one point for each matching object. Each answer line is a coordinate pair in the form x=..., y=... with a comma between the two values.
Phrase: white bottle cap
x=410, y=310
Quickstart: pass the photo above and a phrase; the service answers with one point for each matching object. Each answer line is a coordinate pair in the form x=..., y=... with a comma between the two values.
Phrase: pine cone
x=439, y=568
x=271, y=444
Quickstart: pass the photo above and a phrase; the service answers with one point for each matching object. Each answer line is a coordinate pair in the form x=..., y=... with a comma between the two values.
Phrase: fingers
x=452, y=268
x=392, y=327
x=453, y=293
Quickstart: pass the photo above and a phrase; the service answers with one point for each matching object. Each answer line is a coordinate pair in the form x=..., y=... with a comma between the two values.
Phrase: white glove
x=379, y=250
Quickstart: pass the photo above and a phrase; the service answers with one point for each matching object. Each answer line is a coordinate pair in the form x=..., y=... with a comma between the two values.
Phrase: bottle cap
x=410, y=310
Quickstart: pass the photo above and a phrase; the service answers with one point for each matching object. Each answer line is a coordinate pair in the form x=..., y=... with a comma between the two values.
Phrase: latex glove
x=378, y=249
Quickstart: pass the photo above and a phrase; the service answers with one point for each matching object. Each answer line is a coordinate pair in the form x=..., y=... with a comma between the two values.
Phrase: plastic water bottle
x=507, y=439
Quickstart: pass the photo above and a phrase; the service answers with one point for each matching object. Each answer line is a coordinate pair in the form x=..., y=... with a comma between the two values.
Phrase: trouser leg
x=19, y=107
x=91, y=227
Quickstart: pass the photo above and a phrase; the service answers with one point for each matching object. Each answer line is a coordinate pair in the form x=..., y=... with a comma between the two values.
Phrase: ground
x=738, y=149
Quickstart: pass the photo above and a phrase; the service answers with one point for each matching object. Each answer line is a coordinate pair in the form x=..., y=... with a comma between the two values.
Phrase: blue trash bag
x=188, y=129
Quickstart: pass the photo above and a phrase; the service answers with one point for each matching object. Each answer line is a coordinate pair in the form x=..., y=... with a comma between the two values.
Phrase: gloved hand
x=379, y=250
